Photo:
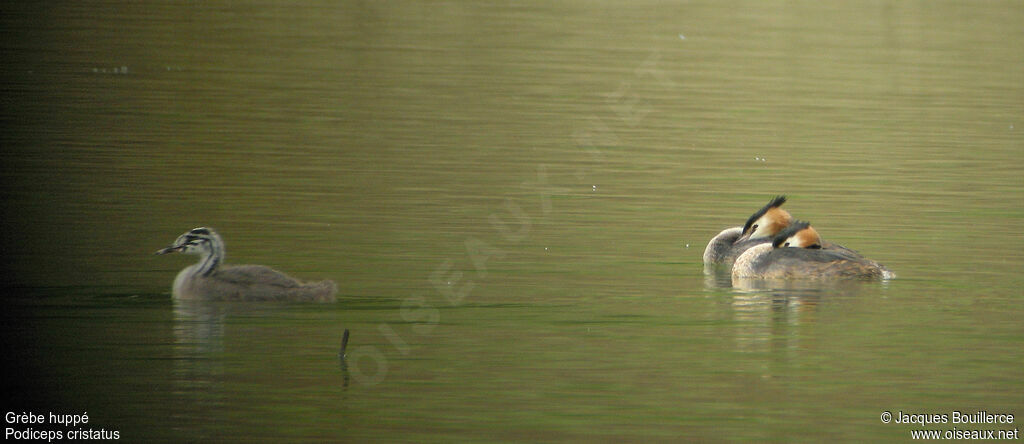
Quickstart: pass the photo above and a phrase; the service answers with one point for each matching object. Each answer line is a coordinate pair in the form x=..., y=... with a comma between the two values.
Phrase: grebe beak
x=171, y=249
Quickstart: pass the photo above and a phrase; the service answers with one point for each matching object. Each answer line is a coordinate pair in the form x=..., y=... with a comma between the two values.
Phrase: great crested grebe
x=760, y=227
x=797, y=253
x=209, y=280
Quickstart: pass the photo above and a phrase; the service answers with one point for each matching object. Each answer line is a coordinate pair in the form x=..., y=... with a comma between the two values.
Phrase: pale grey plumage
x=720, y=245
x=210, y=280
x=799, y=253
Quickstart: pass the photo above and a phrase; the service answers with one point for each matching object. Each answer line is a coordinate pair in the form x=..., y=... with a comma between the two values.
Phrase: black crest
x=201, y=231
x=775, y=203
x=787, y=233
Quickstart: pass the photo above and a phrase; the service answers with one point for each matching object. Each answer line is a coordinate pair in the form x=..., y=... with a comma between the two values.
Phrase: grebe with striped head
x=797, y=253
x=760, y=227
x=210, y=280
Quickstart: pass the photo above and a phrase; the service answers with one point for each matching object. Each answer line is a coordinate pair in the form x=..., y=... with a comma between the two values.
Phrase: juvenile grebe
x=760, y=227
x=208, y=280
x=797, y=253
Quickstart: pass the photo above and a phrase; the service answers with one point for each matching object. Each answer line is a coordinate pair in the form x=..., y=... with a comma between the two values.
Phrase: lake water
x=513, y=199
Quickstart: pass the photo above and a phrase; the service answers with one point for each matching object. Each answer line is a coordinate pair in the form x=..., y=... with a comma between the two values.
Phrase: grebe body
x=211, y=280
x=797, y=253
x=724, y=248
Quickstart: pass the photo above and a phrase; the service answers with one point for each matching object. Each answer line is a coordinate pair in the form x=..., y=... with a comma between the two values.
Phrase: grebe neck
x=212, y=257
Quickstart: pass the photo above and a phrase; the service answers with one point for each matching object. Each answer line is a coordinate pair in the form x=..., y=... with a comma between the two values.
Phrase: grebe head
x=201, y=241
x=768, y=221
x=799, y=234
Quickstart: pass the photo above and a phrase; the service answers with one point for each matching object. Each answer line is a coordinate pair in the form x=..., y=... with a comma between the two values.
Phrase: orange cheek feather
x=780, y=219
x=808, y=237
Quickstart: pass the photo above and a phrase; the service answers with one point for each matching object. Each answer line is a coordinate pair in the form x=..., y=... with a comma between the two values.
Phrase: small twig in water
x=344, y=344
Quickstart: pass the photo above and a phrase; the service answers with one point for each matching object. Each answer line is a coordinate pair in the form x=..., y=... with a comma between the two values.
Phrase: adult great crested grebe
x=724, y=248
x=797, y=253
x=209, y=280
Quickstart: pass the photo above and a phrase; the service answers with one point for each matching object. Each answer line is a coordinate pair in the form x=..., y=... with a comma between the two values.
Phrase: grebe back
x=797, y=253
